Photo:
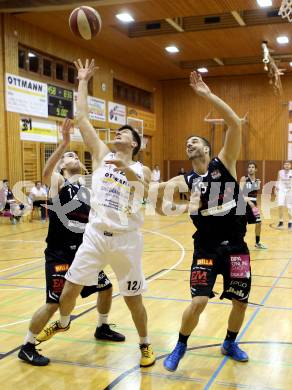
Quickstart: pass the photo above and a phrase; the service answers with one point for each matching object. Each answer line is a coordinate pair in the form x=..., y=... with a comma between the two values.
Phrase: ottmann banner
x=26, y=96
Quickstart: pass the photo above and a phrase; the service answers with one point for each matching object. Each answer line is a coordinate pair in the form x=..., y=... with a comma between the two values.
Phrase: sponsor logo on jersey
x=239, y=266
x=205, y=262
x=199, y=277
x=238, y=283
x=61, y=267
x=239, y=293
x=216, y=174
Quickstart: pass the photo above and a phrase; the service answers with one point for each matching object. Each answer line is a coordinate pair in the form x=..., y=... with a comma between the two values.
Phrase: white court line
x=149, y=280
x=14, y=323
x=20, y=265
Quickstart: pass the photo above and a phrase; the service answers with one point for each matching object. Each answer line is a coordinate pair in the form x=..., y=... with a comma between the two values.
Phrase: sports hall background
x=135, y=70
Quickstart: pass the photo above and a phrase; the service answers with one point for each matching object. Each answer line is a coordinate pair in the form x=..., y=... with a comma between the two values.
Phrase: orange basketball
x=85, y=22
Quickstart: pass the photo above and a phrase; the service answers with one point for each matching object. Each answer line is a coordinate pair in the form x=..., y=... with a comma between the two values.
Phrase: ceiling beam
x=238, y=18
x=176, y=23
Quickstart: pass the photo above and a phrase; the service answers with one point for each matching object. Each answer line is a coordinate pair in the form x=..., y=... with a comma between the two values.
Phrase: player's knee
x=239, y=305
x=70, y=291
x=134, y=302
x=198, y=304
x=106, y=293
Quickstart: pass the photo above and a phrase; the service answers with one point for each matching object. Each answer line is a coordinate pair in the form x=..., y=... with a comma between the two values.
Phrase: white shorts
x=284, y=198
x=122, y=251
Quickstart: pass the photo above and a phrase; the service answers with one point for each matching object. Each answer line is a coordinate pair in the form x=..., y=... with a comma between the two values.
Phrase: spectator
x=12, y=207
x=38, y=195
x=155, y=176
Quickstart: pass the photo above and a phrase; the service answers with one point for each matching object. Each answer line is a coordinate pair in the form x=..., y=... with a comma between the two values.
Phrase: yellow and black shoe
x=147, y=355
x=50, y=331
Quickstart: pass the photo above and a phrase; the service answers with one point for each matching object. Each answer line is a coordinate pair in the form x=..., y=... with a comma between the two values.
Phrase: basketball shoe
x=29, y=354
x=50, y=331
x=147, y=355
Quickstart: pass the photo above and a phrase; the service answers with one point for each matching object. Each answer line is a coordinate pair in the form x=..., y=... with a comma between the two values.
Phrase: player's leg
x=237, y=283
x=203, y=277
x=259, y=244
x=39, y=319
x=289, y=207
x=82, y=272
x=281, y=196
x=103, y=306
x=54, y=285
x=126, y=261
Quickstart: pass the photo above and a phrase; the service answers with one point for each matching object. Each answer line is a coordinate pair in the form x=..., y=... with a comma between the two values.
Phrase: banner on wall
x=116, y=113
x=290, y=151
x=137, y=124
x=26, y=96
x=96, y=106
x=38, y=130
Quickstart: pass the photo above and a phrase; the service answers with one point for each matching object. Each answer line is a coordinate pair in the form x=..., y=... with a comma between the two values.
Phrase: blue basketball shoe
x=231, y=348
x=172, y=360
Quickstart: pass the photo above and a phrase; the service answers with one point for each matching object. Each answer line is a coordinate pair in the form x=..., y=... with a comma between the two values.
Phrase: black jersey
x=66, y=228
x=221, y=215
x=251, y=187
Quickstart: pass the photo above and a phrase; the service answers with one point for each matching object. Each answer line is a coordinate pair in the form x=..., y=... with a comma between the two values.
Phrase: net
x=286, y=10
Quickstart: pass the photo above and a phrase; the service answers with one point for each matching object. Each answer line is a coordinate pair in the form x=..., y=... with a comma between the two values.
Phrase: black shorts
x=57, y=264
x=231, y=261
x=251, y=218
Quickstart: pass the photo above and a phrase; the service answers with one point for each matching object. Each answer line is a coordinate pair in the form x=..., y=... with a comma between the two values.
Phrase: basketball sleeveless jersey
x=251, y=188
x=66, y=229
x=221, y=214
x=285, y=180
x=114, y=207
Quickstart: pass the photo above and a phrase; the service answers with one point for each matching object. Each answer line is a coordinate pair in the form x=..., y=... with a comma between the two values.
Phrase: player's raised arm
x=230, y=151
x=50, y=177
x=97, y=148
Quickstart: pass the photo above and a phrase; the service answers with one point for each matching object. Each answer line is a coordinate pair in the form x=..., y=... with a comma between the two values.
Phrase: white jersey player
x=112, y=235
x=284, y=194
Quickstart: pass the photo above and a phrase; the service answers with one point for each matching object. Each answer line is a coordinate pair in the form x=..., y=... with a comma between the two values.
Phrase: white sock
x=30, y=338
x=102, y=319
x=144, y=340
x=64, y=321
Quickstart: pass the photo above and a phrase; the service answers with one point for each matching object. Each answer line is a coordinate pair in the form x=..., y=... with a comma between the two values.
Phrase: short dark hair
x=252, y=163
x=5, y=180
x=136, y=137
x=205, y=141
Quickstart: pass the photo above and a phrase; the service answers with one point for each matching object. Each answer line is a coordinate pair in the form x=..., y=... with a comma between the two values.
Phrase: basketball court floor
x=79, y=361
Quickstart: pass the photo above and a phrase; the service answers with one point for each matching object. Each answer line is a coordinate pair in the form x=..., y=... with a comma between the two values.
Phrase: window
x=133, y=95
x=71, y=75
x=47, y=67
x=59, y=71
x=21, y=58
x=33, y=62
x=51, y=68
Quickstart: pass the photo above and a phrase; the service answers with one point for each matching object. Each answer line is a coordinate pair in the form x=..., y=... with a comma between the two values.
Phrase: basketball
x=85, y=22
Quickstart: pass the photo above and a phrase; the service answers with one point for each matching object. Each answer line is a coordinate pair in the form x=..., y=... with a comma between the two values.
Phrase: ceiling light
x=31, y=55
x=172, y=49
x=264, y=3
x=202, y=70
x=125, y=17
x=290, y=63
x=282, y=39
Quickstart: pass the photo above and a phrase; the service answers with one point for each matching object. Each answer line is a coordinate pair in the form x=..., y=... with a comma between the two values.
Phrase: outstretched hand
x=66, y=128
x=198, y=85
x=87, y=71
x=120, y=164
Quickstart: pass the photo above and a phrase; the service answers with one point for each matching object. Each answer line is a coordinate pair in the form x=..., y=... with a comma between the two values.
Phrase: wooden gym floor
x=79, y=361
